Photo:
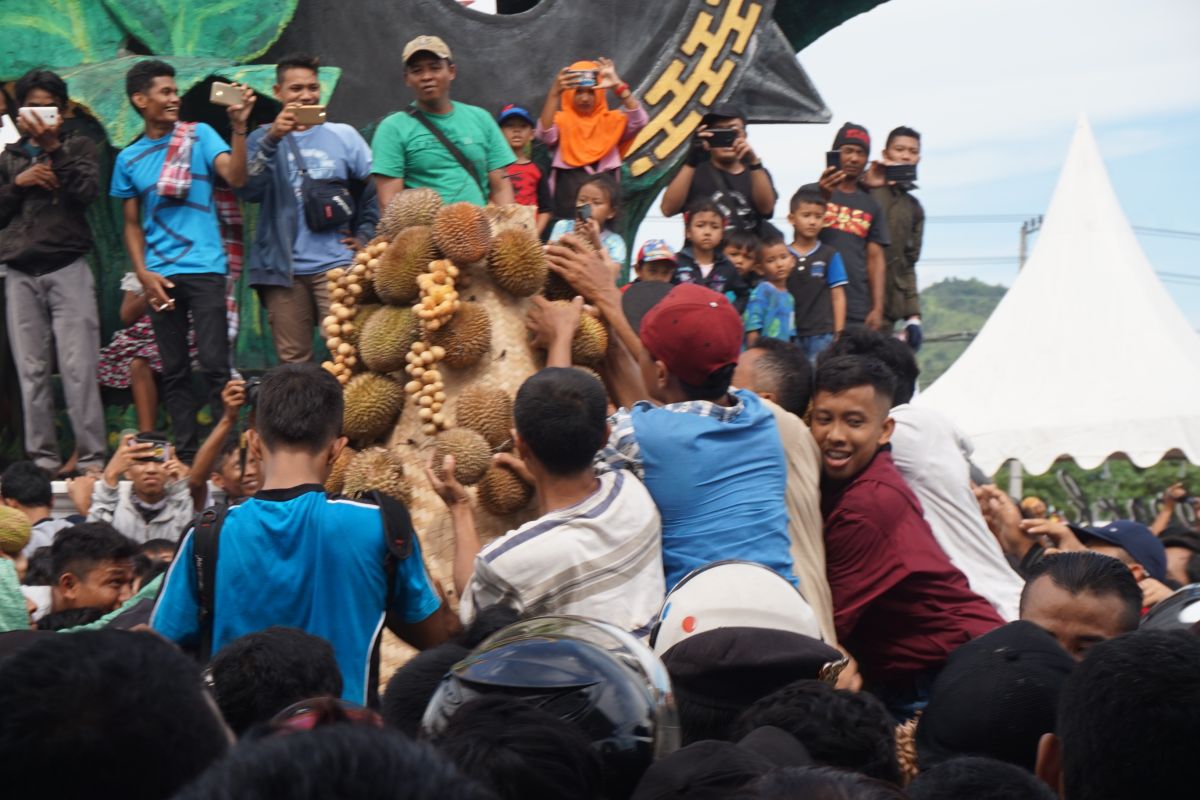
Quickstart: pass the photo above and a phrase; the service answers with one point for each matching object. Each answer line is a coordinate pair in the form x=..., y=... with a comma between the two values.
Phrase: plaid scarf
x=175, y=179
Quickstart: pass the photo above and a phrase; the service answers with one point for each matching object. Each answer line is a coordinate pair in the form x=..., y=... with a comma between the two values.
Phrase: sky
x=995, y=87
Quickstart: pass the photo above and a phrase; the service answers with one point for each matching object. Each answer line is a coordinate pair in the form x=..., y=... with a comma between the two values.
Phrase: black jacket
x=724, y=277
x=42, y=230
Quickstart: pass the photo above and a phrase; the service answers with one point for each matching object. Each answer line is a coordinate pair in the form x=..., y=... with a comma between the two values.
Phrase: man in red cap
x=710, y=456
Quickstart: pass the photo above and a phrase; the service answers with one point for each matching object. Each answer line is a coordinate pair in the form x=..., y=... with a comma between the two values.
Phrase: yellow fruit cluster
x=426, y=386
x=347, y=287
x=439, y=298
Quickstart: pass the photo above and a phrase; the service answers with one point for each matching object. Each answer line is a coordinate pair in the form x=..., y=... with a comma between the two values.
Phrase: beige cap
x=430, y=44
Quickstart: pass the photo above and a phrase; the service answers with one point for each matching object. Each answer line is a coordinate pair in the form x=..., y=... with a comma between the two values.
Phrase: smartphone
x=309, y=115
x=833, y=158
x=224, y=94
x=722, y=137
x=901, y=173
x=585, y=78
x=47, y=114
x=160, y=452
x=583, y=213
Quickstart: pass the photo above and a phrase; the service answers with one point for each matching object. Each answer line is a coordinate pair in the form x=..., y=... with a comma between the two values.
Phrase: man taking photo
x=453, y=148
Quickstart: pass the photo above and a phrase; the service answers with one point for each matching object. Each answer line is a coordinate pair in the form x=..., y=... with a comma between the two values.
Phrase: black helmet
x=587, y=672
x=1180, y=611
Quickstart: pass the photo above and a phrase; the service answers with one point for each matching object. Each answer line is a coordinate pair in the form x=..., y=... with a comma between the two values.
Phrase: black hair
x=742, y=240
x=698, y=206
x=127, y=711
x=786, y=371
x=838, y=728
x=520, y=751
x=146, y=569
x=296, y=61
x=716, y=387
x=10, y=107
x=610, y=187
x=1127, y=718
x=770, y=237
x=335, y=761
x=821, y=783
x=69, y=618
x=898, y=357
x=40, y=571
x=230, y=445
x=45, y=80
x=903, y=130
x=561, y=413
x=806, y=197
x=141, y=76
x=80, y=548
x=838, y=374
x=412, y=686
x=256, y=676
x=299, y=405
x=978, y=778
x=1093, y=573
x=157, y=546
x=24, y=482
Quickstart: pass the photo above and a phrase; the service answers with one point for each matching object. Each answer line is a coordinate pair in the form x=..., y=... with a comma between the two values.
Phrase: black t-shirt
x=808, y=284
x=732, y=194
x=851, y=220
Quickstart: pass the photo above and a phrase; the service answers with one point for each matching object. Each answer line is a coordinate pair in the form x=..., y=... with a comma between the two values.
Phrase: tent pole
x=1015, y=479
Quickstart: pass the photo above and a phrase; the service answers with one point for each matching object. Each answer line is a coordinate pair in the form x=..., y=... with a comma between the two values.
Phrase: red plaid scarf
x=175, y=181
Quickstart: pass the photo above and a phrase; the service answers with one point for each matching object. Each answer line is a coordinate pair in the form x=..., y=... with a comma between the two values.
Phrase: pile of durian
x=399, y=320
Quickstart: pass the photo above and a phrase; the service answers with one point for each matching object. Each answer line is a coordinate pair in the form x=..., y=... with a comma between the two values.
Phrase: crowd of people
x=754, y=569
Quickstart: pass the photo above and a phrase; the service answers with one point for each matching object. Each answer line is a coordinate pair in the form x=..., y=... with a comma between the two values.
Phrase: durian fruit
x=386, y=337
x=467, y=338
x=408, y=208
x=517, y=262
x=373, y=402
x=557, y=288
x=590, y=342
x=360, y=321
x=487, y=410
x=502, y=491
x=462, y=233
x=377, y=469
x=395, y=278
x=472, y=455
x=14, y=530
x=337, y=471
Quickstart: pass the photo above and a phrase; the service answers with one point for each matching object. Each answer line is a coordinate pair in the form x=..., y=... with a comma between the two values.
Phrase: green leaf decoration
x=55, y=33
x=100, y=88
x=236, y=30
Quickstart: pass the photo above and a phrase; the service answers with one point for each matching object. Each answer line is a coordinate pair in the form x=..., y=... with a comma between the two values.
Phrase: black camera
x=252, y=385
x=722, y=137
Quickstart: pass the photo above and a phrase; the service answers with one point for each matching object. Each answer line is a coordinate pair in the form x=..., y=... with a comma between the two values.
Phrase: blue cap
x=1136, y=539
x=510, y=111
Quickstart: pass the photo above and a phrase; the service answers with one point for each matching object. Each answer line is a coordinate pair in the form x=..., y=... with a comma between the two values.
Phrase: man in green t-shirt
x=405, y=153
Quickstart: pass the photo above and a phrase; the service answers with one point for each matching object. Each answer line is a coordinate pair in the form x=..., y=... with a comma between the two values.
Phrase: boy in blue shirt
x=771, y=310
x=173, y=236
x=818, y=283
x=292, y=556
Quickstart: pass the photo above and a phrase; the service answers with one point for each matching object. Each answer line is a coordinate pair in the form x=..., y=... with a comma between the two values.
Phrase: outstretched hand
x=584, y=268
x=448, y=488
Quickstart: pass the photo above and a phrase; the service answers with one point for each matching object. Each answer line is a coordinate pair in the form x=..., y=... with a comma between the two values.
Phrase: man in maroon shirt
x=899, y=605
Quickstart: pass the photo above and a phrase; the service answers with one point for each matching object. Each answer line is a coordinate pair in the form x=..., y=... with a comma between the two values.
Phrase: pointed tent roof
x=1086, y=355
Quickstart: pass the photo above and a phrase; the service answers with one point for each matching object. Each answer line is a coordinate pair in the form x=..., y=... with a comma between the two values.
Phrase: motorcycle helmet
x=1180, y=611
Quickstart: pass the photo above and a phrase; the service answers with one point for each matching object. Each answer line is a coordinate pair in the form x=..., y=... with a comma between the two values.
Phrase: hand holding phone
x=308, y=115
x=833, y=158
x=224, y=94
x=583, y=78
x=900, y=173
x=583, y=213
x=46, y=115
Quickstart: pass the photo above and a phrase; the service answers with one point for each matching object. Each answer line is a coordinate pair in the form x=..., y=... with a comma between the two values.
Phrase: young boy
x=771, y=310
x=656, y=262
x=292, y=556
x=741, y=248
x=531, y=187
x=596, y=549
x=818, y=282
x=900, y=606
x=701, y=260
x=220, y=458
x=92, y=567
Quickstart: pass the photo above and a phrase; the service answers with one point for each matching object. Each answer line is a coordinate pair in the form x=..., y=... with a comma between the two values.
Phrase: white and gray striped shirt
x=600, y=558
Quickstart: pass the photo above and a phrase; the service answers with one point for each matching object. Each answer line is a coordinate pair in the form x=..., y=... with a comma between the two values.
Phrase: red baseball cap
x=694, y=331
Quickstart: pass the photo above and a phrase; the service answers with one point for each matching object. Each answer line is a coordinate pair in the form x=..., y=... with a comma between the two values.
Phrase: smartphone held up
x=47, y=115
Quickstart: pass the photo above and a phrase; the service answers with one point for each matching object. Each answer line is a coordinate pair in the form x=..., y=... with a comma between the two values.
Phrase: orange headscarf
x=584, y=140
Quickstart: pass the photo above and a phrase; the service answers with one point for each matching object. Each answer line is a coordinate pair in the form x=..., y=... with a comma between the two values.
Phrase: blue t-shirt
x=612, y=242
x=771, y=312
x=296, y=558
x=333, y=151
x=183, y=237
x=719, y=478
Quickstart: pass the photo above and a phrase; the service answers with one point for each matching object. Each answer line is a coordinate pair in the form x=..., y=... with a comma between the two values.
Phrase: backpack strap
x=206, y=536
x=398, y=536
x=420, y=117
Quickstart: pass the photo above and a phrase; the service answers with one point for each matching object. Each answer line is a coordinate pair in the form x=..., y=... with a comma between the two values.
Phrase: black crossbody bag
x=328, y=204
x=446, y=143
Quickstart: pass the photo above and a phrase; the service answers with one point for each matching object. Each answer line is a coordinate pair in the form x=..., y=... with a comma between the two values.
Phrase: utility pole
x=1031, y=225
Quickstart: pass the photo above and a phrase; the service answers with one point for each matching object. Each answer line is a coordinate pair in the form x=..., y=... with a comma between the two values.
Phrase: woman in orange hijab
x=584, y=135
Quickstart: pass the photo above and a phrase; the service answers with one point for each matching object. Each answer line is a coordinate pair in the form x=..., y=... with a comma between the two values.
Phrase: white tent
x=1087, y=355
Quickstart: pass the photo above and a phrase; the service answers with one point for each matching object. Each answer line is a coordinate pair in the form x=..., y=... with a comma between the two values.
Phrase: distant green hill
x=948, y=307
